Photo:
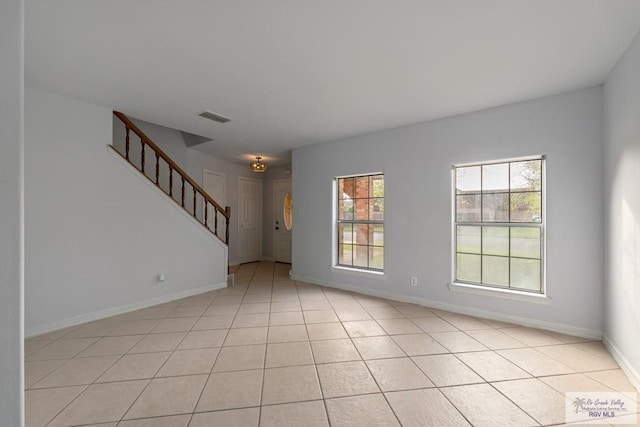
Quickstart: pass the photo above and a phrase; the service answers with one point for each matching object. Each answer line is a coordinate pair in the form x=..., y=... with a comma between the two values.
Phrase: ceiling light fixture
x=258, y=166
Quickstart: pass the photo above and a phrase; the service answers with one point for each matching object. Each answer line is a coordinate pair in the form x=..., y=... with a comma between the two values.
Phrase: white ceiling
x=291, y=73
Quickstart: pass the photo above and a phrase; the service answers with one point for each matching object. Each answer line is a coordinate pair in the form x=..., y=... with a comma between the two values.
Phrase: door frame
x=275, y=213
x=224, y=176
x=260, y=219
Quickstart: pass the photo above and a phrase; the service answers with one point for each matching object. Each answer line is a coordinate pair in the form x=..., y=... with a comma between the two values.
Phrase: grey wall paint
x=11, y=211
x=416, y=161
x=622, y=209
x=170, y=141
x=97, y=233
x=194, y=162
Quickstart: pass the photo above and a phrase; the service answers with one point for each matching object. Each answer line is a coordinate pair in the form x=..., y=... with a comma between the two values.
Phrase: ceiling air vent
x=215, y=117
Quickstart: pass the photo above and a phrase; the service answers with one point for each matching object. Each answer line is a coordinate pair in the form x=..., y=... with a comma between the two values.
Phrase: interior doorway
x=249, y=220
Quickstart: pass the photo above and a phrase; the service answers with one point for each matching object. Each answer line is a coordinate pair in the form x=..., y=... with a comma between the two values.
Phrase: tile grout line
x=162, y=365
x=251, y=293
x=195, y=404
x=266, y=349
x=86, y=386
x=371, y=373
x=156, y=372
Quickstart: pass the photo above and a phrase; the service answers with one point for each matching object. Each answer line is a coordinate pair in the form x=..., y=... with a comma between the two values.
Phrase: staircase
x=159, y=168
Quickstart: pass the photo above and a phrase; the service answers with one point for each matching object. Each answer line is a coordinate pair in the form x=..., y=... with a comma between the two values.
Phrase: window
x=499, y=224
x=360, y=222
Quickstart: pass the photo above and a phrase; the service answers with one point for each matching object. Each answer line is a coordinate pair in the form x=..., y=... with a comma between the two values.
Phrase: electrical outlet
x=161, y=279
x=414, y=281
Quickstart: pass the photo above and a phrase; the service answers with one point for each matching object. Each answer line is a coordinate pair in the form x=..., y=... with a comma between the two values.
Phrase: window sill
x=499, y=293
x=357, y=272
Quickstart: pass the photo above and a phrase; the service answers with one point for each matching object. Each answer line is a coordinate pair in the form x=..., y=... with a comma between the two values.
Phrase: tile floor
x=273, y=352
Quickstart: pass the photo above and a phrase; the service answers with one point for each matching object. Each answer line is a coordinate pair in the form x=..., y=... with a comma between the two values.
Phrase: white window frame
x=494, y=290
x=358, y=270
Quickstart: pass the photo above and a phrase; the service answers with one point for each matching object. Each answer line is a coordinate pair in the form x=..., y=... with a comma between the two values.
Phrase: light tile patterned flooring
x=273, y=352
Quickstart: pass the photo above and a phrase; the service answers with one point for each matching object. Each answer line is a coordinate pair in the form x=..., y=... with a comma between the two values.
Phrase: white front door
x=215, y=184
x=249, y=219
x=281, y=236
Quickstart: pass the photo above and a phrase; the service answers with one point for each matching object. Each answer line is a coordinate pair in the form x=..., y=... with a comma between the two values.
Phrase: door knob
x=277, y=228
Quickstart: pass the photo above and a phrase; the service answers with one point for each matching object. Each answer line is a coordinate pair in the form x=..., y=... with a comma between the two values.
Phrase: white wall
x=11, y=211
x=98, y=233
x=169, y=140
x=193, y=162
x=416, y=161
x=622, y=211
x=196, y=162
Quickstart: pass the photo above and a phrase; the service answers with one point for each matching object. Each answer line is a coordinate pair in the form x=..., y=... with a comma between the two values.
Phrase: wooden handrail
x=173, y=166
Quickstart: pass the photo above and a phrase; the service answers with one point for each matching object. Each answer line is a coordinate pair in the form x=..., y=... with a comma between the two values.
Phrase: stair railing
x=189, y=189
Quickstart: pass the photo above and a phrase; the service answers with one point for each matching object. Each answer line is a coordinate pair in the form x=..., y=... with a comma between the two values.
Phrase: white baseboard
x=114, y=311
x=460, y=309
x=627, y=367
